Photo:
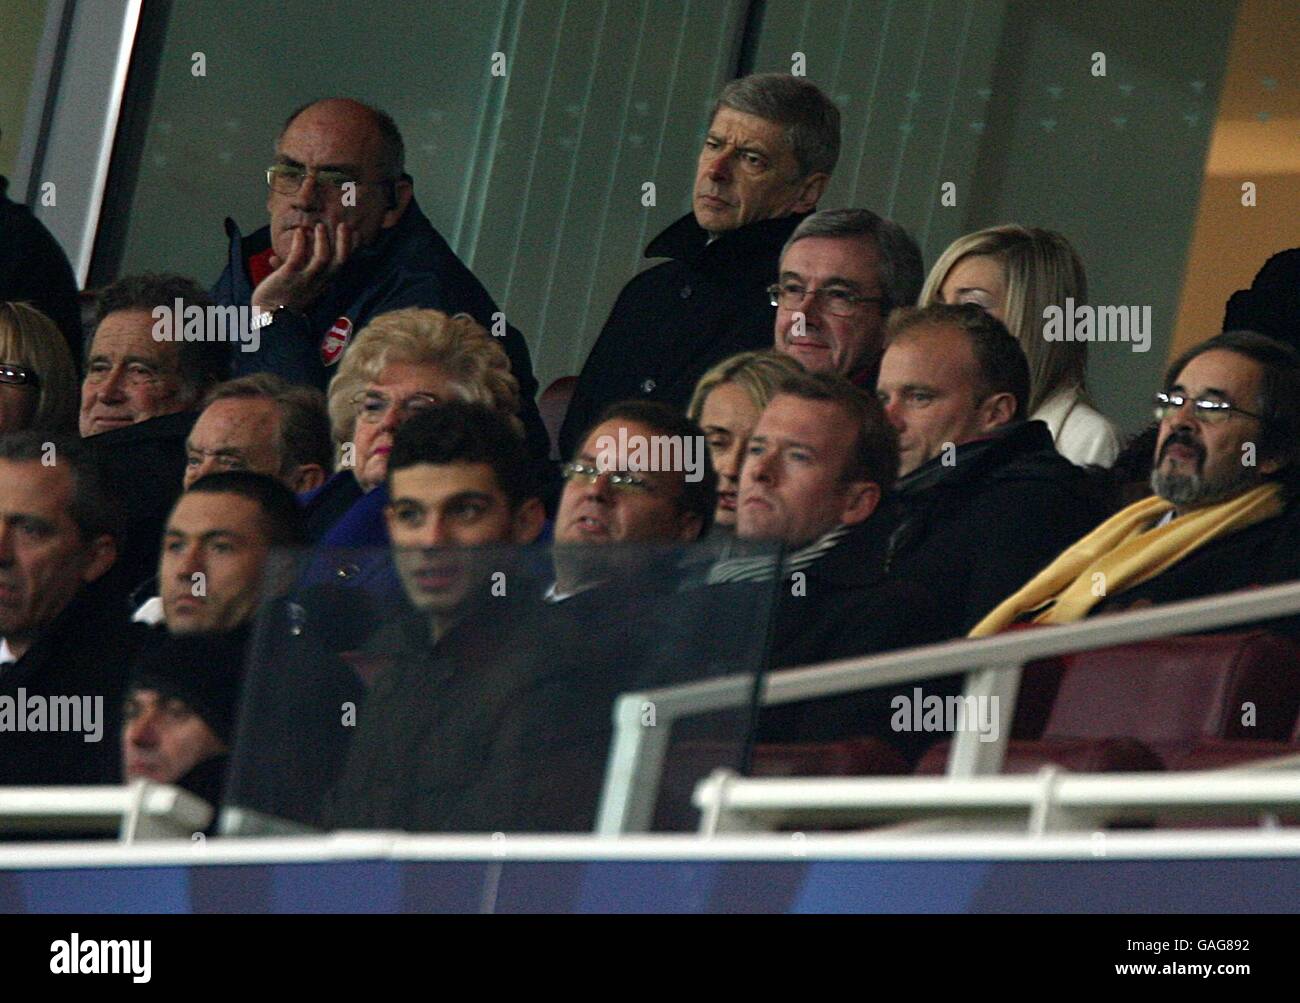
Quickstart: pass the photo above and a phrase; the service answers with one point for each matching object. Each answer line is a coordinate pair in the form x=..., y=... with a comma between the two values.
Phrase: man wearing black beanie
x=179, y=715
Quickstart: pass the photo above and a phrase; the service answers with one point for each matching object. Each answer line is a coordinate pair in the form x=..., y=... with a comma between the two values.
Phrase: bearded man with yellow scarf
x=1227, y=466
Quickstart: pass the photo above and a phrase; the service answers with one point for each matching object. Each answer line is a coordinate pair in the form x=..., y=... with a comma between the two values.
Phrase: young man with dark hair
x=984, y=499
x=488, y=713
x=459, y=478
x=64, y=641
x=215, y=551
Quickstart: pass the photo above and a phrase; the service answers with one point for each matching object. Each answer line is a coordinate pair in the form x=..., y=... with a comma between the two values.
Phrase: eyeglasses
x=17, y=376
x=286, y=179
x=620, y=480
x=836, y=302
x=1211, y=412
x=373, y=408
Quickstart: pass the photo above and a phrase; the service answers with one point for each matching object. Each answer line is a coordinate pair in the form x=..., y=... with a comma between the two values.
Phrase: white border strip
x=937, y=847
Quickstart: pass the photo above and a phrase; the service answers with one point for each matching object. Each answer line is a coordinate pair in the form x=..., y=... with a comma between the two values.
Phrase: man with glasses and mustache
x=346, y=242
x=1224, y=479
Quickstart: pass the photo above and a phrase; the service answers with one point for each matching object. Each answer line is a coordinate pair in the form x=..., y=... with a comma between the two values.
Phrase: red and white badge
x=335, y=340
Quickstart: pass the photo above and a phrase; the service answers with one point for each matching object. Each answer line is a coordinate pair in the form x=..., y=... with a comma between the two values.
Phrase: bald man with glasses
x=347, y=241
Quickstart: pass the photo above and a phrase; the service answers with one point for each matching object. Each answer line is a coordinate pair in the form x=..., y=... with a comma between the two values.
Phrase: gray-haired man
x=842, y=272
x=766, y=158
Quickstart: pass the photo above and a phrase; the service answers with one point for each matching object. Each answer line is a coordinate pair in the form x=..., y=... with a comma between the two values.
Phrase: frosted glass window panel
x=535, y=177
x=211, y=137
x=1000, y=98
x=23, y=24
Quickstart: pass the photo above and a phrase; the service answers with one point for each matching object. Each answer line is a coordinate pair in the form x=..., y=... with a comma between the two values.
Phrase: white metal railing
x=141, y=810
x=992, y=667
x=1054, y=800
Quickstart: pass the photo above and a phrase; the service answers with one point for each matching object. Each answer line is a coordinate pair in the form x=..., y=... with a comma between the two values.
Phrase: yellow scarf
x=1123, y=552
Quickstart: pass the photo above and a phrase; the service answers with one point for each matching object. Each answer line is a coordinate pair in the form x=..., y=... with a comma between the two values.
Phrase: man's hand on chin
x=299, y=279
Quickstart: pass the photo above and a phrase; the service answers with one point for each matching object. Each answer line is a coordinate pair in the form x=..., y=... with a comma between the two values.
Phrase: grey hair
x=811, y=120
x=902, y=273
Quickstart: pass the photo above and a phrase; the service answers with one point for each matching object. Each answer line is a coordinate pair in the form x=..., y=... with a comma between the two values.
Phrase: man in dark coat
x=486, y=714
x=179, y=714
x=65, y=647
x=1223, y=515
x=34, y=268
x=984, y=500
x=768, y=155
x=139, y=401
x=347, y=242
x=820, y=460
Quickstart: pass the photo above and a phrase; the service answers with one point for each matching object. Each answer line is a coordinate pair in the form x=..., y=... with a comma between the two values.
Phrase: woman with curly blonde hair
x=400, y=362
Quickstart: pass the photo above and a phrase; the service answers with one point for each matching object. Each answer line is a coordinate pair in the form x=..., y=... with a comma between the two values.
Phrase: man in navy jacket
x=346, y=242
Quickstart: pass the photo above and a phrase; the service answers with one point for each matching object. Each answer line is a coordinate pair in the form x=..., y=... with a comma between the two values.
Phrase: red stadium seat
x=852, y=757
x=1161, y=701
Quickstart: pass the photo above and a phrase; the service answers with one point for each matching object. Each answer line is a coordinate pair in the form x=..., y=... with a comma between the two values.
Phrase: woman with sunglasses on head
x=38, y=381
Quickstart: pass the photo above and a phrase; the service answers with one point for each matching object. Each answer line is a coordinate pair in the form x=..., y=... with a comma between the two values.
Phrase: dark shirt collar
x=971, y=459
x=686, y=240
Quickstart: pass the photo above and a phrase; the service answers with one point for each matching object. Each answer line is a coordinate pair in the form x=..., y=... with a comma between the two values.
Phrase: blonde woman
x=726, y=404
x=38, y=381
x=401, y=361
x=1015, y=273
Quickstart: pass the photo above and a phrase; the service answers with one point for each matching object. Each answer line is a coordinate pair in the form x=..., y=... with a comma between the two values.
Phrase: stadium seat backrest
x=1241, y=685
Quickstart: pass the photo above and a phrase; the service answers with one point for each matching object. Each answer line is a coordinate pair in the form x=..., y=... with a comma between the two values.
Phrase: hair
x=811, y=120
x=304, y=432
x=283, y=519
x=472, y=359
x=874, y=456
x=1001, y=364
x=202, y=363
x=94, y=509
x=901, y=268
x=460, y=432
x=392, y=150
x=29, y=338
x=1279, y=395
x=698, y=498
x=1041, y=270
x=757, y=373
